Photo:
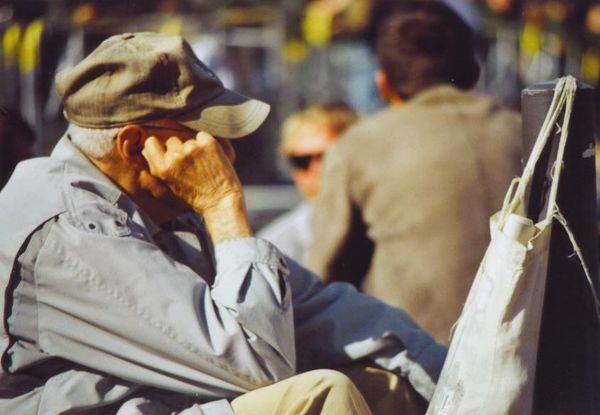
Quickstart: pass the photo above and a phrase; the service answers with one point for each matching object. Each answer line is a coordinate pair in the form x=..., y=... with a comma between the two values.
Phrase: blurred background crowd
x=290, y=53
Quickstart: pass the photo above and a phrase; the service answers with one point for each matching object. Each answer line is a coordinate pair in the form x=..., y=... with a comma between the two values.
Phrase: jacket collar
x=438, y=94
x=84, y=179
x=78, y=165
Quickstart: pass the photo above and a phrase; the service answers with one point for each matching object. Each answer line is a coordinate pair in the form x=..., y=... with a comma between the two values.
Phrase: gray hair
x=95, y=143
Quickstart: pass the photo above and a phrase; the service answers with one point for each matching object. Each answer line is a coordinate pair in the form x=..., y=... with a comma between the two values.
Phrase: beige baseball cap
x=139, y=77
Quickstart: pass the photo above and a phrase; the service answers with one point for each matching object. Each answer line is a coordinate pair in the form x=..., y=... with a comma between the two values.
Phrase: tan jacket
x=406, y=199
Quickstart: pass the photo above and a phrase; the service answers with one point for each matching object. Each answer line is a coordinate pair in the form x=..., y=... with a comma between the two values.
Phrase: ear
x=130, y=142
x=385, y=89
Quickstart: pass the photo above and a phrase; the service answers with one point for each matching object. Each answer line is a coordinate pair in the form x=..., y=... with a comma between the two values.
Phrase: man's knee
x=326, y=379
x=321, y=391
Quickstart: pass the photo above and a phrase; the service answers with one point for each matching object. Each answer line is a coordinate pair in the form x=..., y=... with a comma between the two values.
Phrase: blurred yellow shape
x=531, y=40
x=295, y=50
x=317, y=25
x=30, y=46
x=590, y=67
x=173, y=25
x=10, y=43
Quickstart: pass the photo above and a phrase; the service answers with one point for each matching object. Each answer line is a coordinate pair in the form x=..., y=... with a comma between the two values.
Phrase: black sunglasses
x=302, y=162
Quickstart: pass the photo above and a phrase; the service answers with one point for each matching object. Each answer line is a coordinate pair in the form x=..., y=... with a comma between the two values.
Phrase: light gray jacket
x=107, y=312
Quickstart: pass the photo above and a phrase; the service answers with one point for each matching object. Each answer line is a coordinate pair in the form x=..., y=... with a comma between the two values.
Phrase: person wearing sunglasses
x=305, y=137
x=133, y=283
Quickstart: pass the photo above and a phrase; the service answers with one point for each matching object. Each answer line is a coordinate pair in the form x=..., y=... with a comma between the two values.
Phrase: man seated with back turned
x=407, y=193
x=133, y=284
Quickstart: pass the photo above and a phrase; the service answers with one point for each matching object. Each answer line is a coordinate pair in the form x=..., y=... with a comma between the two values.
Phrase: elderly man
x=133, y=284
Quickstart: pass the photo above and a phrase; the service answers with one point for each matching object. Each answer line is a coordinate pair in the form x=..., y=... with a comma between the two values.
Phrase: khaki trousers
x=359, y=390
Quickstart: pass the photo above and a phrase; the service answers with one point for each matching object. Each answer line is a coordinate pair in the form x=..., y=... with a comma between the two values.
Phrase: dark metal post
x=568, y=367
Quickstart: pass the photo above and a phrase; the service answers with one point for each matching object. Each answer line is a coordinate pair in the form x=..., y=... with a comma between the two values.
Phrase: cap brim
x=229, y=115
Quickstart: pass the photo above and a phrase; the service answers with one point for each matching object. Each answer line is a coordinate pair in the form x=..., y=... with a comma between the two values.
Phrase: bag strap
x=557, y=167
x=564, y=94
x=564, y=97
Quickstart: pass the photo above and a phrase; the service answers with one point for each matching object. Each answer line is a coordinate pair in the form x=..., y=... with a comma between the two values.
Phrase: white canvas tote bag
x=490, y=368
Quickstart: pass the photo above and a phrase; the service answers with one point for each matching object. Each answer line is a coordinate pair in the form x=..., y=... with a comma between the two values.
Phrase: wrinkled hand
x=198, y=172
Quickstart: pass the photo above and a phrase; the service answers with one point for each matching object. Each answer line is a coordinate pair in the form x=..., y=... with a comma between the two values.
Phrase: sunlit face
x=305, y=153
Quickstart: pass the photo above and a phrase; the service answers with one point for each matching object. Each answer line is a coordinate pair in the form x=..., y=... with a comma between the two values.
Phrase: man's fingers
x=154, y=153
x=173, y=144
x=204, y=138
x=189, y=146
x=209, y=143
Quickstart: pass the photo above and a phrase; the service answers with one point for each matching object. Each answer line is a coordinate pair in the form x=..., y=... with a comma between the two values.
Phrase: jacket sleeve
x=341, y=249
x=119, y=305
x=336, y=325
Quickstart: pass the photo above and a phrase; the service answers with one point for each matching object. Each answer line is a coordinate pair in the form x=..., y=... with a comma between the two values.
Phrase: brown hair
x=423, y=44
